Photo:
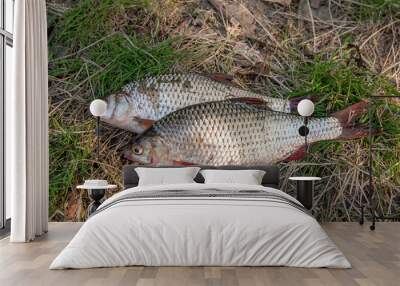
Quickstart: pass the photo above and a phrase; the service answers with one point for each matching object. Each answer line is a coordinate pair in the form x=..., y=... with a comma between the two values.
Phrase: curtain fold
x=27, y=123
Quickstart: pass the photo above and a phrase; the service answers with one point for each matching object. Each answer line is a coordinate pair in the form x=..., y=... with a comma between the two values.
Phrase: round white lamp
x=305, y=107
x=97, y=108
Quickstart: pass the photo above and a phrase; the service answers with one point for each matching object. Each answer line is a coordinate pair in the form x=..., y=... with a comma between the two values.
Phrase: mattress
x=201, y=225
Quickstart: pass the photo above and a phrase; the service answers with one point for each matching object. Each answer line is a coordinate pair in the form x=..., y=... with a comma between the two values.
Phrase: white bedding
x=200, y=231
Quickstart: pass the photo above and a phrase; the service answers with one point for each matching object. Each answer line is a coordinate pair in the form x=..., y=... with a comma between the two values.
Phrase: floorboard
x=375, y=257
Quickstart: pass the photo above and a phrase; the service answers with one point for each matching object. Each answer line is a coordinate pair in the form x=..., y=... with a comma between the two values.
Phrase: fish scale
x=155, y=97
x=175, y=94
x=228, y=133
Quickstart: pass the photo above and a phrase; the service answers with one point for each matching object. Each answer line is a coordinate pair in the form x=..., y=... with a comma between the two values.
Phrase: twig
x=378, y=31
x=312, y=25
x=84, y=49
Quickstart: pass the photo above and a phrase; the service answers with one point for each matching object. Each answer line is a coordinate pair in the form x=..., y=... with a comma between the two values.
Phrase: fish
x=236, y=132
x=141, y=103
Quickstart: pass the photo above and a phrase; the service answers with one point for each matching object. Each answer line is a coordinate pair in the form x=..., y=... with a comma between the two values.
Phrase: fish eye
x=138, y=150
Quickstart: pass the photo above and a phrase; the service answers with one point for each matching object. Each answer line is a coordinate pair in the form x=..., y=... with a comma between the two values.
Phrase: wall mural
x=218, y=83
x=191, y=119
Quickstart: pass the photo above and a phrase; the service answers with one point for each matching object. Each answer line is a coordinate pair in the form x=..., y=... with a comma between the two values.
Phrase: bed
x=197, y=224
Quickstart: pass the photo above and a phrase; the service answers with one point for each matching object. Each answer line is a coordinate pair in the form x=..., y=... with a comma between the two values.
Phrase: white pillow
x=248, y=177
x=165, y=176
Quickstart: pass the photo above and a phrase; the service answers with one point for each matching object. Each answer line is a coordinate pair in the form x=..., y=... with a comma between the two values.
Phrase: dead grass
x=265, y=46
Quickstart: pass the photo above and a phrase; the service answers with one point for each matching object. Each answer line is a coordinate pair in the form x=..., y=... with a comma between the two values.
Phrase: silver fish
x=141, y=103
x=234, y=133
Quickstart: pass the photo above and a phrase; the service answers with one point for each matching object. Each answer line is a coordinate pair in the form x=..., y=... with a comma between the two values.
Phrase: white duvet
x=200, y=231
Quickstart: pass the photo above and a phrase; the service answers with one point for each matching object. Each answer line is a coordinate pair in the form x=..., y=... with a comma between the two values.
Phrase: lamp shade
x=98, y=107
x=305, y=107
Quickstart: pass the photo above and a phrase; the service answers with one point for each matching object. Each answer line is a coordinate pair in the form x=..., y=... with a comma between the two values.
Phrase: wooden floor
x=375, y=257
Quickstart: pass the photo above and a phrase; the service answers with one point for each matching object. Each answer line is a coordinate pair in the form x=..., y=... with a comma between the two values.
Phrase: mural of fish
x=236, y=132
x=141, y=103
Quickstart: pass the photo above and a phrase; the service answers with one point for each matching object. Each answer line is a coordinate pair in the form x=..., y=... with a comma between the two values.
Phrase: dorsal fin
x=348, y=115
x=251, y=101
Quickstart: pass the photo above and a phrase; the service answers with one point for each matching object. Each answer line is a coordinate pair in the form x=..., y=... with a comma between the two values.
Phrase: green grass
x=69, y=161
x=376, y=9
x=92, y=20
x=116, y=61
x=96, y=41
x=336, y=84
x=131, y=61
x=339, y=83
x=98, y=46
x=94, y=49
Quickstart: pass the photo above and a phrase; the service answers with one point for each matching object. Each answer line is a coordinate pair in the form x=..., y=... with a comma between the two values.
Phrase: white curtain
x=27, y=124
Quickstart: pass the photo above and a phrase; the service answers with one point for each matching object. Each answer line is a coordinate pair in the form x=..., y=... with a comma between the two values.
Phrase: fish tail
x=294, y=101
x=356, y=131
x=347, y=117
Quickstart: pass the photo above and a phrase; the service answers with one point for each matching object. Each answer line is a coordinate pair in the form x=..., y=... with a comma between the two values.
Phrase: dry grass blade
x=337, y=51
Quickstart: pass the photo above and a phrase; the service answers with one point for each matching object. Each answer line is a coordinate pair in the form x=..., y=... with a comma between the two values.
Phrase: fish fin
x=299, y=154
x=255, y=102
x=144, y=123
x=348, y=115
x=221, y=77
x=356, y=131
x=294, y=101
x=182, y=163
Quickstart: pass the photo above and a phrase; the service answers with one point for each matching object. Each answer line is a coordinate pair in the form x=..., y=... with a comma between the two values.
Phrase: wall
x=96, y=47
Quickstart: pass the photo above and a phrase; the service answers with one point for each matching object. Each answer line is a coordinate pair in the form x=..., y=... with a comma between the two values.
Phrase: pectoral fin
x=144, y=123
